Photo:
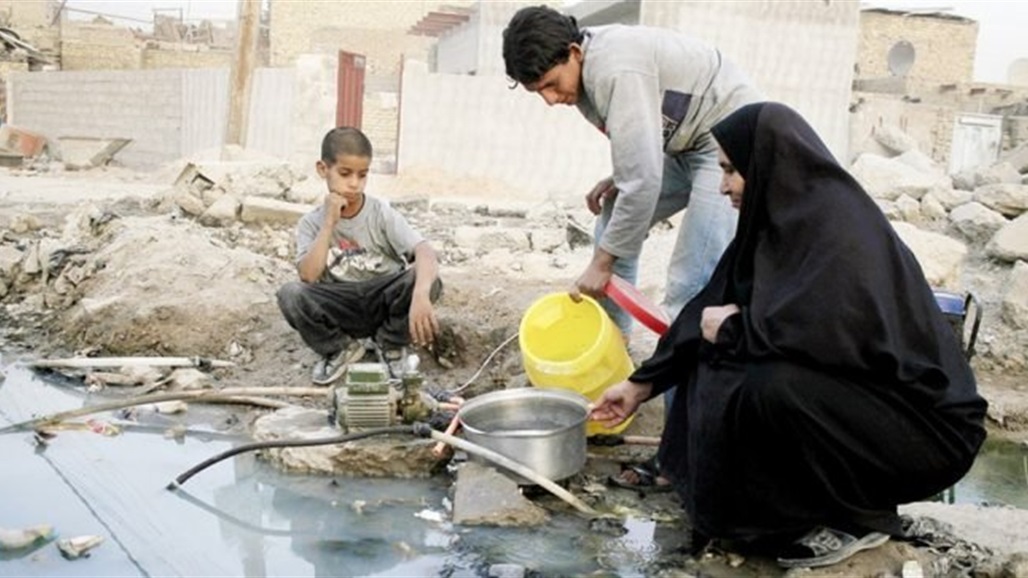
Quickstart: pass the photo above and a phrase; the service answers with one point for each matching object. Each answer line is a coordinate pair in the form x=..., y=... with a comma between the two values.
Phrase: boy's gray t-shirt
x=653, y=92
x=376, y=241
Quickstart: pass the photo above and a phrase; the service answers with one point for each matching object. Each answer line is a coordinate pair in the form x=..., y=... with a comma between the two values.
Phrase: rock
x=952, y=198
x=506, y=571
x=1015, y=302
x=887, y=179
x=412, y=204
x=1010, y=243
x=909, y=209
x=964, y=181
x=998, y=528
x=189, y=379
x=272, y=211
x=10, y=258
x=998, y=173
x=485, y=497
x=21, y=224
x=211, y=195
x=221, y=213
x=920, y=161
x=893, y=138
x=1008, y=199
x=189, y=203
x=547, y=240
x=940, y=257
x=393, y=456
x=889, y=209
x=484, y=239
x=912, y=569
x=931, y=208
x=976, y=221
x=1016, y=566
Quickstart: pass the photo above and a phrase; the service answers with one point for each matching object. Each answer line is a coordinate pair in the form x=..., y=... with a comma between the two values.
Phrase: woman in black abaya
x=823, y=387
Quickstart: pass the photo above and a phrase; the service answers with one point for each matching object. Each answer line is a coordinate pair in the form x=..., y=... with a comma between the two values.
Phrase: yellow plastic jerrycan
x=573, y=346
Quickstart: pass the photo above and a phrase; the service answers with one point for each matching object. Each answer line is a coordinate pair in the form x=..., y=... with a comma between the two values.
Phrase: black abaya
x=839, y=391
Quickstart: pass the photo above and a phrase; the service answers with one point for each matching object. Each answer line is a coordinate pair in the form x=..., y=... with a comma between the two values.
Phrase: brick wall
x=6, y=69
x=944, y=46
x=190, y=56
x=99, y=47
x=298, y=27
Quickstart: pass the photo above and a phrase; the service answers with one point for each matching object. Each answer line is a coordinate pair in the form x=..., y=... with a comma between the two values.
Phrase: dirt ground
x=125, y=273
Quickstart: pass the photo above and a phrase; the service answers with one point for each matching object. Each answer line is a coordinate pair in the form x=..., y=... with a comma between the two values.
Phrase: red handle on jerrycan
x=632, y=300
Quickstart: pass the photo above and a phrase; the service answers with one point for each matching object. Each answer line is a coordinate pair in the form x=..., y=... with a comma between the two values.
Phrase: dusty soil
x=123, y=274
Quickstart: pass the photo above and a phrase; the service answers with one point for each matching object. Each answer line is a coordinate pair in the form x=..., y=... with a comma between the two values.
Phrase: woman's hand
x=619, y=402
x=713, y=317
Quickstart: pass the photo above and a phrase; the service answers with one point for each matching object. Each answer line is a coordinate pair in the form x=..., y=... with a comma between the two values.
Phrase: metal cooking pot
x=543, y=429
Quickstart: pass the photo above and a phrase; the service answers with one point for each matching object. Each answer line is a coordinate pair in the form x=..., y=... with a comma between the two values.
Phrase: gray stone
x=10, y=258
x=411, y=204
x=952, y=198
x=221, y=213
x=272, y=211
x=932, y=208
x=887, y=179
x=188, y=202
x=25, y=223
x=393, y=456
x=889, y=209
x=998, y=173
x=1009, y=199
x=1010, y=243
x=506, y=571
x=547, y=240
x=920, y=161
x=893, y=138
x=1015, y=302
x=484, y=239
x=909, y=209
x=940, y=257
x=485, y=497
x=976, y=221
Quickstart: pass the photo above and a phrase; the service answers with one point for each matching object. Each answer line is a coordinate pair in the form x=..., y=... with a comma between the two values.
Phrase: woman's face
x=732, y=183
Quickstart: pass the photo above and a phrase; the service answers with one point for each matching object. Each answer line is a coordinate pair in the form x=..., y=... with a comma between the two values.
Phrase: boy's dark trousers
x=326, y=314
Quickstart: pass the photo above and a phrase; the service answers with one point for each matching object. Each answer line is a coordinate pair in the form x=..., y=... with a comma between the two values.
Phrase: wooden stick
x=79, y=362
x=158, y=397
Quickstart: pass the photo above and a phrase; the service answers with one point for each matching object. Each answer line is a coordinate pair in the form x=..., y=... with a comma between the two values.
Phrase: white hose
x=516, y=468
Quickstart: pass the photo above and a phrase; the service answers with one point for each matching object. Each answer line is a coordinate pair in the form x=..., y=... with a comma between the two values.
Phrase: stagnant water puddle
x=242, y=517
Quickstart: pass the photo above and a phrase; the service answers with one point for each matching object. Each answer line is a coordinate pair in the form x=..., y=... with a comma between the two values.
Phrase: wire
x=484, y=363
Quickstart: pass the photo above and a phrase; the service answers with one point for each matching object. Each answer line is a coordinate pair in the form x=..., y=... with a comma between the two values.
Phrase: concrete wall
x=477, y=127
x=146, y=106
x=944, y=46
x=186, y=56
x=477, y=46
x=800, y=53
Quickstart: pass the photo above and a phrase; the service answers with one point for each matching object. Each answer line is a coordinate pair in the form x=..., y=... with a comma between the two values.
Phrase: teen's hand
x=713, y=317
x=603, y=190
x=593, y=281
x=423, y=324
x=619, y=402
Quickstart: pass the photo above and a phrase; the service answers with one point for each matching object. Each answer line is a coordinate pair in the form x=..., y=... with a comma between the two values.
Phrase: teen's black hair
x=537, y=39
x=344, y=140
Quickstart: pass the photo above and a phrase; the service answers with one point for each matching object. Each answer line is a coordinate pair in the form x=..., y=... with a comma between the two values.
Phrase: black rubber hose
x=418, y=429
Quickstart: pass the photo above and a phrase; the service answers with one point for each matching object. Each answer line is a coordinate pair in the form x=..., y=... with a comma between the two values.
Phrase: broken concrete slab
x=1010, y=243
x=976, y=221
x=941, y=257
x=1015, y=302
x=80, y=152
x=485, y=497
x=272, y=211
x=1009, y=199
x=393, y=456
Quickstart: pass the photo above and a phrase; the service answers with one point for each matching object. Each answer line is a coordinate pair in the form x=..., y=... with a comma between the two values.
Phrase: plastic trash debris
x=78, y=546
x=23, y=538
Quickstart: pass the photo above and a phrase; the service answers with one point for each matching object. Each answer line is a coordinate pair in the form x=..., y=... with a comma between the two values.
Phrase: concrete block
x=221, y=213
x=485, y=497
x=272, y=211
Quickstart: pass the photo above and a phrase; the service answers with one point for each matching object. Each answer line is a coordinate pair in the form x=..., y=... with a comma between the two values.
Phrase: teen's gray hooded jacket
x=652, y=91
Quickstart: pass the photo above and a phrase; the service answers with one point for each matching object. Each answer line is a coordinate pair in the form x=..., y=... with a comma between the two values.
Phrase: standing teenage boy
x=354, y=256
x=655, y=93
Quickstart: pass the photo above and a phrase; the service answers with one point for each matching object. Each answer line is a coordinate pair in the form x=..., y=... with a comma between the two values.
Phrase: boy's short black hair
x=537, y=39
x=344, y=140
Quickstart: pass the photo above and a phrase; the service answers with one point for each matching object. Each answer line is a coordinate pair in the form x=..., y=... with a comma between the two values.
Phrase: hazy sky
x=1002, y=24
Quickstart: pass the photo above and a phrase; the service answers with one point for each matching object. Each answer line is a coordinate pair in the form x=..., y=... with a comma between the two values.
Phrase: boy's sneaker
x=331, y=367
x=396, y=360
